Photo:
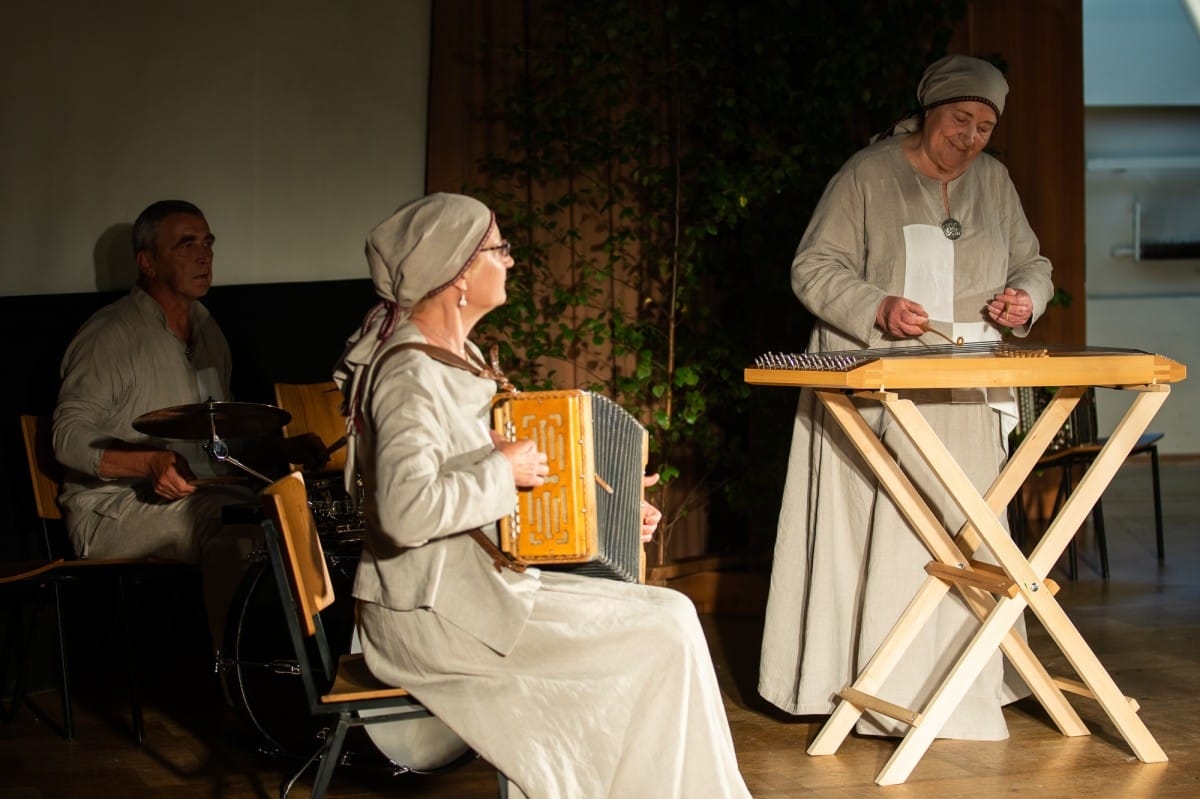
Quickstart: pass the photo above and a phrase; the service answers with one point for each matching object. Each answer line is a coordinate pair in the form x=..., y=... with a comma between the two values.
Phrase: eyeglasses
x=504, y=248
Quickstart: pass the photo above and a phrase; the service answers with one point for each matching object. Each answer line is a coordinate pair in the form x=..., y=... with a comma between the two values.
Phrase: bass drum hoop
x=260, y=672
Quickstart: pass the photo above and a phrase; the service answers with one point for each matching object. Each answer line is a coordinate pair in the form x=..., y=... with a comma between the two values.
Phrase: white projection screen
x=296, y=125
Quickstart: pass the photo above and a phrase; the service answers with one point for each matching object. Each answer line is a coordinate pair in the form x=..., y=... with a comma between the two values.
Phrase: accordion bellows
x=587, y=516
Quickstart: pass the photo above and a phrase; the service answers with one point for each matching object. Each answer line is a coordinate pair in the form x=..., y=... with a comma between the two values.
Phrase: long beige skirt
x=609, y=692
x=847, y=564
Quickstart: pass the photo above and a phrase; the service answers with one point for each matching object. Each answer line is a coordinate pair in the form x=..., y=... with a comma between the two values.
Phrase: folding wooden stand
x=996, y=594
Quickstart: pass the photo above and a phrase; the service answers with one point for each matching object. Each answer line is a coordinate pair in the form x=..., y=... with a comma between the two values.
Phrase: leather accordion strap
x=500, y=559
x=439, y=354
x=449, y=358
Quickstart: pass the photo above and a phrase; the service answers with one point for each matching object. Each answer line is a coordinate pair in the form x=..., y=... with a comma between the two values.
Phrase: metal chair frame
x=1079, y=446
x=46, y=478
x=342, y=688
x=18, y=579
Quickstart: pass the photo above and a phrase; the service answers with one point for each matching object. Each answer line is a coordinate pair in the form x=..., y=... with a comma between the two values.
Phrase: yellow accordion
x=587, y=516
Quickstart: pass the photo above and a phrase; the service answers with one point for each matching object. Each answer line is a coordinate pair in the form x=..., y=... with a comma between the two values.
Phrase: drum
x=260, y=671
x=336, y=513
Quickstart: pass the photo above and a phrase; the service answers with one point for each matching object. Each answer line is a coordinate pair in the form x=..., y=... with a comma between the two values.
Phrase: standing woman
x=570, y=686
x=919, y=233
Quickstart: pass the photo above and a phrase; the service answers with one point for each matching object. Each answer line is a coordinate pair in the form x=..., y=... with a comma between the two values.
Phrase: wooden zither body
x=587, y=516
x=965, y=366
x=997, y=590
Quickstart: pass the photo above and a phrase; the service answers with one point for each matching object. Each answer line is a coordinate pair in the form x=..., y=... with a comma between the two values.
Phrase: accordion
x=586, y=517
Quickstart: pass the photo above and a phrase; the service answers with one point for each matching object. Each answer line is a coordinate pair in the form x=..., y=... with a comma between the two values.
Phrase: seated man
x=126, y=494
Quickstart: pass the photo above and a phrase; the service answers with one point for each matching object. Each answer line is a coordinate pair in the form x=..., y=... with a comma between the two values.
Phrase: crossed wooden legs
x=997, y=595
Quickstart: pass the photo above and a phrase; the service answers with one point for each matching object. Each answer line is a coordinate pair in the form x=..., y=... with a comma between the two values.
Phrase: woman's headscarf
x=961, y=78
x=415, y=253
x=954, y=79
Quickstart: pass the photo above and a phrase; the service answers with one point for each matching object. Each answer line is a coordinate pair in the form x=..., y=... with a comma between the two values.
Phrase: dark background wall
x=278, y=332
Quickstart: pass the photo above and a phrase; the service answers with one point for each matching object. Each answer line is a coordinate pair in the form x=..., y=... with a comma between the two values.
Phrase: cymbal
x=198, y=422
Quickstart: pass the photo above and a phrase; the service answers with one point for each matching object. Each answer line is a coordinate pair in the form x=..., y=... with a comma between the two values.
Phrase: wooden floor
x=1144, y=624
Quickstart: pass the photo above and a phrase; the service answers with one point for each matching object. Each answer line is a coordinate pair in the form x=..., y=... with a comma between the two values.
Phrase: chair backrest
x=286, y=505
x=45, y=473
x=315, y=408
x=46, y=476
x=298, y=564
x=1084, y=426
x=1080, y=429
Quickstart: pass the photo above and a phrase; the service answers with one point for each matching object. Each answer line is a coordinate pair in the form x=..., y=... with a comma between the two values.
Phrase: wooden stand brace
x=997, y=595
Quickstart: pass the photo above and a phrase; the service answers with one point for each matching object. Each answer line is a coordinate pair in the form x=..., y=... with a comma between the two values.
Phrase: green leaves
x=654, y=170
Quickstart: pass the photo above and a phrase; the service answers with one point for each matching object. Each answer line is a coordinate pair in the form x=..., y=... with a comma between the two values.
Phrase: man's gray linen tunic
x=125, y=362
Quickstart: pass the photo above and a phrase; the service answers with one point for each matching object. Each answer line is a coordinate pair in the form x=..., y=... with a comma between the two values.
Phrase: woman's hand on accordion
x=529, y=467
x=651, y=515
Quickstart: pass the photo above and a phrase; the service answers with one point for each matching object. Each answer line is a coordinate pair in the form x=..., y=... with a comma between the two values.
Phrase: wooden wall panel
x=1040, y=136
x=460, y=80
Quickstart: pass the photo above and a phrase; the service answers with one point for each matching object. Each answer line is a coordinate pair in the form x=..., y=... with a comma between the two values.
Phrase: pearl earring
x=462, y=299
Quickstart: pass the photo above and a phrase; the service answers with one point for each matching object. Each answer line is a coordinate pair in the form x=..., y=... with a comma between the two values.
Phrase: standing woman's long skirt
x=847, y=564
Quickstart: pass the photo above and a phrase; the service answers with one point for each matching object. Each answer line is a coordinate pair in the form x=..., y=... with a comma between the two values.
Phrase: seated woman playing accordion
x=569, y=685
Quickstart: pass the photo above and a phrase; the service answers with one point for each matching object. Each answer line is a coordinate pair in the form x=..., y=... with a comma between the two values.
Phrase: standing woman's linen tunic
x=846, y=562
x=571, y=686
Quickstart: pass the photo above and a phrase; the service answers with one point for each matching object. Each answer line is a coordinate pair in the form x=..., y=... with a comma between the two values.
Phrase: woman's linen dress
x=846, y=563
x=571, y=686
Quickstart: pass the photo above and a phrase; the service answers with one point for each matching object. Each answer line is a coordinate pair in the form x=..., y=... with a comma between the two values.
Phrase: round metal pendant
x=952, y=228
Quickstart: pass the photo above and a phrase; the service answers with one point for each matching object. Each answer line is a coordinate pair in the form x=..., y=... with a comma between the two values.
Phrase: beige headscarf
x=959, y=78
x=415, y=253
x=954, y=79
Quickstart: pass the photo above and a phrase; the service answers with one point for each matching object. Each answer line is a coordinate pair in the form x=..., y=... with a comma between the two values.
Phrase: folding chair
x=45, y=475
x=316, y=408
x=19, y=580
x=345, y=690
x=1075, y=450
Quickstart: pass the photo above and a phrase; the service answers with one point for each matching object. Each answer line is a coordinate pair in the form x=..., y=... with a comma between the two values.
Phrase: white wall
x=1140, y=52
x=1142, y=139
x=296, y=125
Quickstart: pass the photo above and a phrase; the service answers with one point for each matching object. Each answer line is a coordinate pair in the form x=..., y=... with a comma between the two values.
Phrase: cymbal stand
x=219, y=451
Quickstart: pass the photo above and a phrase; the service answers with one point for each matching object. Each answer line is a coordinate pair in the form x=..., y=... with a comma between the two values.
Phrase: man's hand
x=170, y=474
x=308, y=450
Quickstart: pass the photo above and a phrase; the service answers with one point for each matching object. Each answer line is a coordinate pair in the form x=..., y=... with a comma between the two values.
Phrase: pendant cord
x=951, y=227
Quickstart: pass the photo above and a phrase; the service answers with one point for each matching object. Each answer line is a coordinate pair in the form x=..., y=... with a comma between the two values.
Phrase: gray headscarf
x=415, y=253
x=954, y=79
x=424, y=246
x=960, y=78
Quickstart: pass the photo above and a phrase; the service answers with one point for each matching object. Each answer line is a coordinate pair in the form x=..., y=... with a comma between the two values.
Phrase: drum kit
x=212, y=422
x=207, y=421
x=256, y=662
